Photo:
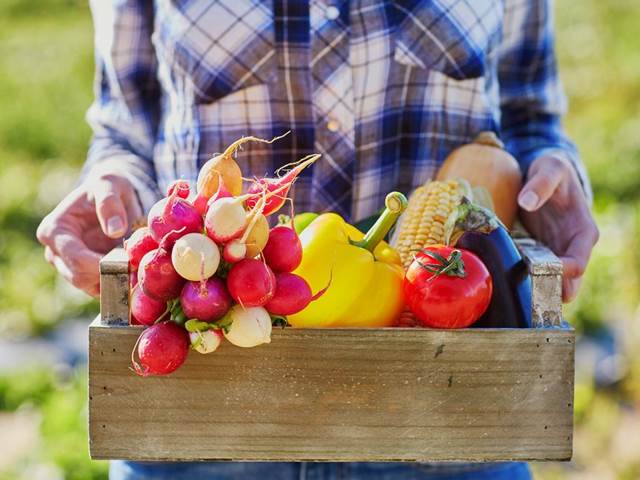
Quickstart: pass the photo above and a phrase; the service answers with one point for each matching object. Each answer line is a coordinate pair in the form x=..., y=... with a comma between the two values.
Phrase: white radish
x=226, y=219
x=234, y=251
x=249, y=327
x=195, y=257
x=206, y=341
x=237, y=249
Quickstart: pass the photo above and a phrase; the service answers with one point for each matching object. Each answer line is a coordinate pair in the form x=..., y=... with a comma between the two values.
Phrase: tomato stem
x=453, y=265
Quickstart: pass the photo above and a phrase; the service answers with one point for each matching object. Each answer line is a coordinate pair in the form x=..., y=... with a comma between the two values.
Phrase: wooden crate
x=341, y=394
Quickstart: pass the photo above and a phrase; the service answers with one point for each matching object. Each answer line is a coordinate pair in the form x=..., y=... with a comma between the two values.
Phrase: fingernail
x=115, y=226
x=529, y=201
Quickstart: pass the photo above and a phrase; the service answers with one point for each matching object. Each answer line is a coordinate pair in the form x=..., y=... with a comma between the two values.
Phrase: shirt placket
x=333, y=103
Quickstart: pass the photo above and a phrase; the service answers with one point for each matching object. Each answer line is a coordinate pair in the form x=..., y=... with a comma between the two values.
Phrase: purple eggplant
x=479, y=231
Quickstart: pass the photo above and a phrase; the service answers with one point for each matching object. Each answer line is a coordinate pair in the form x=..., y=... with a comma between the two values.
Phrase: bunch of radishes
x=208, y=265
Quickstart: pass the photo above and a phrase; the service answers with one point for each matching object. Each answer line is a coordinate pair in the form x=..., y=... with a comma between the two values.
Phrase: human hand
x=554, y=210
x=85, y=225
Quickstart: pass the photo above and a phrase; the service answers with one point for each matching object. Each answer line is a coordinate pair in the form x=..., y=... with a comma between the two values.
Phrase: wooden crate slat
x=341, y=395
x=114, y=288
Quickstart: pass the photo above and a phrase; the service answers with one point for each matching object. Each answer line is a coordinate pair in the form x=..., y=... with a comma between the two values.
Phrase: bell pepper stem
x=395, y=203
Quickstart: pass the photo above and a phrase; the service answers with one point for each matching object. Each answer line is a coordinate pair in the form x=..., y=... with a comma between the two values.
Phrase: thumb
x=110, y=209
x=546, y=175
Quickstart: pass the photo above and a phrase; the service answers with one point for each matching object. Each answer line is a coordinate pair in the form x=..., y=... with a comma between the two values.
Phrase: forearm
x=124, y=114
x=530, y=135
x=532, y=99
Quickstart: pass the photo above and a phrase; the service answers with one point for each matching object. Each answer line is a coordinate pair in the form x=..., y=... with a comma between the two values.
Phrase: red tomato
x=453, y=298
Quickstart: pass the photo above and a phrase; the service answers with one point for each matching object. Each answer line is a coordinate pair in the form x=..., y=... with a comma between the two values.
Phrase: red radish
x=145, y=309
x=171, y=218
x=293, y=294
x=207, y=341
x=157, y=277
x=182, y=186
x=251, y=283
x=133, y=279
x=162, y=348
x=226, y=219
x=137, y=245
x=206, y=301
x=283, y=252
x=278, y=187
x=202, y=202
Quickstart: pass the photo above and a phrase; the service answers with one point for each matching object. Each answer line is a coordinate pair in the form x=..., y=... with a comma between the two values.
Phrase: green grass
x=61, y=401
x=46, y=72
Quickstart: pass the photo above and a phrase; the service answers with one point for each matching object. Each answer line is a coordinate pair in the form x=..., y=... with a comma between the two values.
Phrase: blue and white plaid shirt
x=383, y=89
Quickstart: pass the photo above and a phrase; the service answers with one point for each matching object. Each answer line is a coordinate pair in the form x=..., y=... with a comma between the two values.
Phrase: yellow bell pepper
x=364, y=273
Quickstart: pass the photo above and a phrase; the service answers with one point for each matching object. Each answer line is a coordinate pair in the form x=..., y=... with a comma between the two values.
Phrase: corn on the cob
x=423, y=222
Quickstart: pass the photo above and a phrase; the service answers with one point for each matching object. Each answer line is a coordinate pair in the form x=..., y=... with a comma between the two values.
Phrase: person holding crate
x=383, y=89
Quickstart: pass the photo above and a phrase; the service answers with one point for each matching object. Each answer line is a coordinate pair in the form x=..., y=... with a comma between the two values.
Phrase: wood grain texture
x=539, y=259
x=114, y=288
x=114, y=262
x=546, y=283
x=341, y=395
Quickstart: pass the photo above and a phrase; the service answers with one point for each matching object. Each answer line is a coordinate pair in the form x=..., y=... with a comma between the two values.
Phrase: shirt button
x=333, y=125
x=332, y=12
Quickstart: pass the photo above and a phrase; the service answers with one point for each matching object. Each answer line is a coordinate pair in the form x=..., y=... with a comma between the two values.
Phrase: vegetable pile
x=209, y=267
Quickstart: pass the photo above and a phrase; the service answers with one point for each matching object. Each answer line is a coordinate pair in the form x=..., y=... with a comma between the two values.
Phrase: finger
x=80, y=281
x=79, y=259
x=577, y=254
x=542, y=184
x=111, y=211
x=49, y=227
x=570, y=288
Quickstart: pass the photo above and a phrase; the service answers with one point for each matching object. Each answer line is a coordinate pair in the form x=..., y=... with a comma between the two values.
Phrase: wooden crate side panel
x=114, y=288
x=477, y=395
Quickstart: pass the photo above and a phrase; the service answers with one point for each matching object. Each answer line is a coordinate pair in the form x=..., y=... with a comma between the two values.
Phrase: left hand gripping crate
x=389, y=394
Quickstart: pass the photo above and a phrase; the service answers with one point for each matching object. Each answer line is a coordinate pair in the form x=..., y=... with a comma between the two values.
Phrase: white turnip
x=206, y=341
x=195, y=256
x=226, y=219
x=248, y=327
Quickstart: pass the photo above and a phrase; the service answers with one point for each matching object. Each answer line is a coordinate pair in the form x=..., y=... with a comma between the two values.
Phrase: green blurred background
x=46, y=71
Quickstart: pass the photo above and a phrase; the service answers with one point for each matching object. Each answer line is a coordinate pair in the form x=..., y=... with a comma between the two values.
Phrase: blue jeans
x=121, y=470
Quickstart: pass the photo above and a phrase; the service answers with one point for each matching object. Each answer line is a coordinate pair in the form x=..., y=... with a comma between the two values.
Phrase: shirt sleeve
x=124, y=114
x=532, y=100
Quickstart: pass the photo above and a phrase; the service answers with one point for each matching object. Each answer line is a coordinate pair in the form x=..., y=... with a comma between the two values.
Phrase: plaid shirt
x=384, y=90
